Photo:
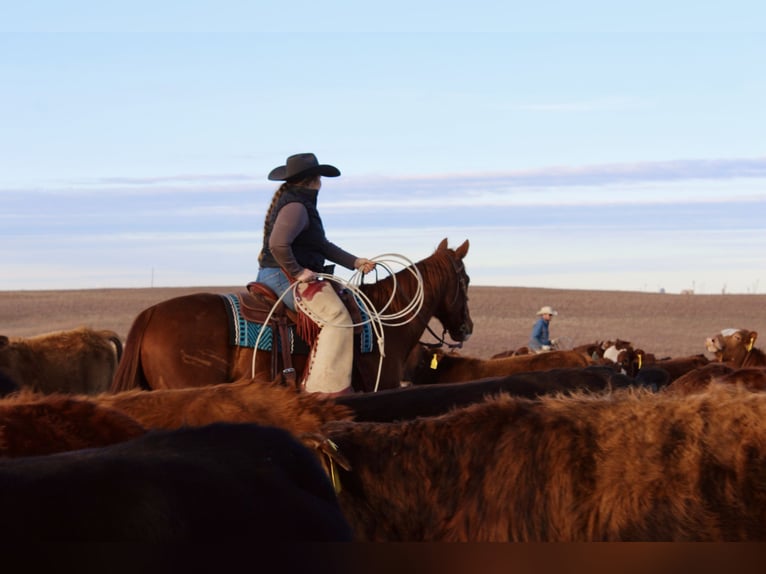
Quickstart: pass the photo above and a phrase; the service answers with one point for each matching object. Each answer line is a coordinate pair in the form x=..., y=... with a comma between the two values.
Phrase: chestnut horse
x=184, y=341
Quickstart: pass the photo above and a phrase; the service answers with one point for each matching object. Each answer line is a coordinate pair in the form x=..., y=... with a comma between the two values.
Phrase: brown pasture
x=665, y=324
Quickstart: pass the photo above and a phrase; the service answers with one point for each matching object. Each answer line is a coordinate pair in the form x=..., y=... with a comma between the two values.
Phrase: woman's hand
x=306, y=276
x=364, y=265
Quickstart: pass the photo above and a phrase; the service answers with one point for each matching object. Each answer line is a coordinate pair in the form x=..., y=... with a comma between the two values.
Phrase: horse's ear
x=462, y=250
x=442, y=245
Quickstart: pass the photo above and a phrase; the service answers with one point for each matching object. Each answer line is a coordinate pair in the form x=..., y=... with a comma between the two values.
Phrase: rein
x=441, y=341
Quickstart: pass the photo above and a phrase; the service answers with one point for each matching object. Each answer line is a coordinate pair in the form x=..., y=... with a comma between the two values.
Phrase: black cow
x=221, y=482
x=435, y=399
x=7, y=384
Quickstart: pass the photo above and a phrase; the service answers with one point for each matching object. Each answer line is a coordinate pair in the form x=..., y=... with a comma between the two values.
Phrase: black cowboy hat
x=302, y=165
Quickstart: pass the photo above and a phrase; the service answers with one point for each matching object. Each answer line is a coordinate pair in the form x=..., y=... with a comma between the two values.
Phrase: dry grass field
x=664, y=324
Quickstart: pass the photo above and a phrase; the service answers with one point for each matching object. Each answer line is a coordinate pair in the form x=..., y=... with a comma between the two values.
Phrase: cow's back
x=76, y=361
x=220, y=482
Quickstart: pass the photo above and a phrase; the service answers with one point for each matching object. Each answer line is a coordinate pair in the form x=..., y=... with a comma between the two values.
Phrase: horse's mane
x=437, y=270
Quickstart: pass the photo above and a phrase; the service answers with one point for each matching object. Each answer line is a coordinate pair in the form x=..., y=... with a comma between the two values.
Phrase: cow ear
x=753, y=337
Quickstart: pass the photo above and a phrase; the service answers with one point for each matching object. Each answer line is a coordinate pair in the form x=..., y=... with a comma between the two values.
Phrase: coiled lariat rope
x=377, y=318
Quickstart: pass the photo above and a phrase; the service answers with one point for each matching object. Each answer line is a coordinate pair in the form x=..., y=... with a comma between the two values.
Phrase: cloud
x=234, y=195
x=594, y=175
x=188, y=178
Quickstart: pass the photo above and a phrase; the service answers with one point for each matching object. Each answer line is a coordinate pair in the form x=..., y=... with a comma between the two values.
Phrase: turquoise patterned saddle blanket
x=244, y=333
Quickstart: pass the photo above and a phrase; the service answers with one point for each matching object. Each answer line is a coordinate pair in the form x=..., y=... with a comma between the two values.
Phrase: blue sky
x=597, y=145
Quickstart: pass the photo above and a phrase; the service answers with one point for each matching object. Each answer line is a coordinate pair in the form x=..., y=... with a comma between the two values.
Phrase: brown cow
x=34, y=425
x=437, y=366
x=511, y=353
x=264, y=403
x=735, y=347
x=751, y=378
x=625, y=466
x=698, y=380
x=593, y=350
x=76, y=361
x=256, y=401
x=677, y=367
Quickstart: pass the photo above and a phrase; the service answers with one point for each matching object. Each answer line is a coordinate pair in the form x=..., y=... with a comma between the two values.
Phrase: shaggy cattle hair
x=251, y=401
x=751, y=378
x=30, y=425
x=676, y=367
x=76, y=361
x=625, y=466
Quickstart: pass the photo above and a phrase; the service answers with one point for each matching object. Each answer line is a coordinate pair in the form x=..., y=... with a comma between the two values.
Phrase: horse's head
x=452, y=309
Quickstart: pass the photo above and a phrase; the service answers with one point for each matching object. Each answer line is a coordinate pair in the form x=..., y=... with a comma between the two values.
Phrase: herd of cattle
x=604, y=442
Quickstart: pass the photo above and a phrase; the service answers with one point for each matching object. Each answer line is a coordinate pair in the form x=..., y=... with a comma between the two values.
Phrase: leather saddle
x=258, y=302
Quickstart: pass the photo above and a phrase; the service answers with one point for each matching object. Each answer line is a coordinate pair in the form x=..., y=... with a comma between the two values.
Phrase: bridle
x=460, y=289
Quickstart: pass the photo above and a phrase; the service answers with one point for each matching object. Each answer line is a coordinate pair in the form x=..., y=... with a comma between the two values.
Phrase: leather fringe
x=306, y=328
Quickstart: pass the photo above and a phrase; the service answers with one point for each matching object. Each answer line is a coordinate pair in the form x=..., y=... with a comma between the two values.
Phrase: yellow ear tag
x=334, y=478
x=640, y=361
x=750, y=344
x=434, y=362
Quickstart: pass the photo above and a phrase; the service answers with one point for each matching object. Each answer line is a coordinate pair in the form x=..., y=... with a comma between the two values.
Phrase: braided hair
x=304, y=181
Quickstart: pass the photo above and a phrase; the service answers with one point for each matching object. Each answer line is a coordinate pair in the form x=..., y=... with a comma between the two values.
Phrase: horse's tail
x=130, y=372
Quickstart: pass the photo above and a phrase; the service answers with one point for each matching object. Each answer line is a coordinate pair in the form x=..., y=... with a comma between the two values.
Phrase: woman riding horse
x=294, y=250
x=186, y=341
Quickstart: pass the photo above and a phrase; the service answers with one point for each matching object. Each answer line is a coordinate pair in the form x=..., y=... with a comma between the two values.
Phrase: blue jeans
x=278, y=281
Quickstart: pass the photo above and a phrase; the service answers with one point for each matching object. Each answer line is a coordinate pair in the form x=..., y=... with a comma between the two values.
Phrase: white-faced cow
x=736, y=347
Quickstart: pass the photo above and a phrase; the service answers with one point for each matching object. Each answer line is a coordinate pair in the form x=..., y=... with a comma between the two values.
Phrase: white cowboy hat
x=547, y=311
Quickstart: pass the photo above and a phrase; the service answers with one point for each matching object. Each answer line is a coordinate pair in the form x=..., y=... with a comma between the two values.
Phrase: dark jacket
x=310, y=247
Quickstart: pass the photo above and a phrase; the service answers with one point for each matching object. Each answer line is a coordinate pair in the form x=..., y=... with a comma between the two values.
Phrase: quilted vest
x=307, y=245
